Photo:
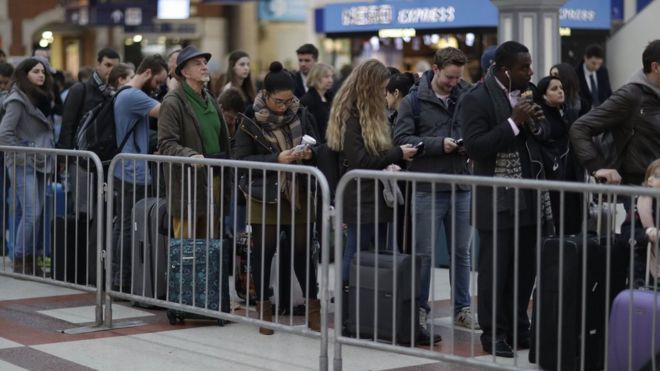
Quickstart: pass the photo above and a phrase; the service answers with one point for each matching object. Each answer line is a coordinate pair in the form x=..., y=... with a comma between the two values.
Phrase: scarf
x=208, y=118
x=283, y=132
x=508, y=164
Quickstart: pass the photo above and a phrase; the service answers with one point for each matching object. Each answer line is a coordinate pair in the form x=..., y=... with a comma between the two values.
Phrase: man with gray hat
x=191, y=125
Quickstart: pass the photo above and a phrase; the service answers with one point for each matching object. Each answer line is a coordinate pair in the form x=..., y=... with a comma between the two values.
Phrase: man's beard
x=148, y=88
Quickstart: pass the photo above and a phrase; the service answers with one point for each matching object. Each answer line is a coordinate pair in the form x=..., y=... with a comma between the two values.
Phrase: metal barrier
x=167, y=246
x=575, y=277
x=51, y=219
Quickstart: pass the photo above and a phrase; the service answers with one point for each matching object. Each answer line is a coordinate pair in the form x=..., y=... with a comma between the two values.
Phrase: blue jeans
x=367, y=236
x=30, y=186
x=461, y=258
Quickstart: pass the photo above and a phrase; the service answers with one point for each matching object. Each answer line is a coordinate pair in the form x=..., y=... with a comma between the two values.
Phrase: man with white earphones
x=496, y=120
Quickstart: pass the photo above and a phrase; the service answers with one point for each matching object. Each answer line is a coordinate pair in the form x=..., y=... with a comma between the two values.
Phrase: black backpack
x=97, y=133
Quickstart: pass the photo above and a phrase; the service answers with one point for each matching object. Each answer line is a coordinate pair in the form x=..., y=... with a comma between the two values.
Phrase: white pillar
x=629, y=9
x=534, y=24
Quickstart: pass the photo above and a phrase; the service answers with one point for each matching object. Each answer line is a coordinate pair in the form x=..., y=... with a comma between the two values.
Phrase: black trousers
x=496, y=282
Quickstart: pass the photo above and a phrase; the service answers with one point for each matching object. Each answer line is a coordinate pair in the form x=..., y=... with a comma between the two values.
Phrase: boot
x=314, y=306
x=267, y=309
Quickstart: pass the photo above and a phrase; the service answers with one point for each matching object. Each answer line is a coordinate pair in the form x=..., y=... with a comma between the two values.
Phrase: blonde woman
x=318, y=98
x=358, y=129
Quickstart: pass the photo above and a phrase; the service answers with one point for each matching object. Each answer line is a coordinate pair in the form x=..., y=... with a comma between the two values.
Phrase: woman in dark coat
x=318, y=98
x=278, y=126
x=558, y=159
x=359, y=130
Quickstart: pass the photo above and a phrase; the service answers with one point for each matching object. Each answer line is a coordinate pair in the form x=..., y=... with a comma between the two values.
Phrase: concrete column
x=629, y=9
x=214, y=41
x=5, y=26
x=534, y=24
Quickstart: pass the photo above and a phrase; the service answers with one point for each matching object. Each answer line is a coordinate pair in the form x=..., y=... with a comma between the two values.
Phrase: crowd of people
x=375, y=118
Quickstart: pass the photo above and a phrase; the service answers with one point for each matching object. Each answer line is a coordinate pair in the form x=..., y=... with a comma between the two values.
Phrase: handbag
x=243, y=274
x=260, y=188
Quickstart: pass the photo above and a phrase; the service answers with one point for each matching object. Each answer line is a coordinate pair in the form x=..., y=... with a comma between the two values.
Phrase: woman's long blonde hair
x=362, y=93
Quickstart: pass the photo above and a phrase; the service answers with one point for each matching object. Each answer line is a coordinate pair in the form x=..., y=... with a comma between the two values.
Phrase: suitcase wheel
x=221, y=322
x=171, y=316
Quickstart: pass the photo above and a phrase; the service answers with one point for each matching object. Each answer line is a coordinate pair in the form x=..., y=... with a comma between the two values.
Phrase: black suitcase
x=150, y=228
x=571, y=326
x=377, y=309
x=71, y=249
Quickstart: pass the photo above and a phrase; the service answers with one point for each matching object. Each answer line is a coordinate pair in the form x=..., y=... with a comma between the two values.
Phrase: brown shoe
x=23, y=265
x=314, y=306
x=265, y=312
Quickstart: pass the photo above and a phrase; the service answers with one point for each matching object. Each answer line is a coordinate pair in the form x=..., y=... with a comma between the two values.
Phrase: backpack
x=97, y=133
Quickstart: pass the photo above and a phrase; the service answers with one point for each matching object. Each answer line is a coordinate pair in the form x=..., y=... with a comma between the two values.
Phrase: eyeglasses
x=282, y=102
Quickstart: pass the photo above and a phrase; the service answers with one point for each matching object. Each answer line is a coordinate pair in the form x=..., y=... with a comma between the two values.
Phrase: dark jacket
x=602, y=81
x=632, y=114
x=435, y=124
x=82, y=98
x=300, y=87
x=179, y=134
x=319, y=109
x=24, y=125
x=357, y=157
x=484, y=139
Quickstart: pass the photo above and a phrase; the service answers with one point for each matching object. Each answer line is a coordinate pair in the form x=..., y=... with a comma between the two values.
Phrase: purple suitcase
x=642, y=329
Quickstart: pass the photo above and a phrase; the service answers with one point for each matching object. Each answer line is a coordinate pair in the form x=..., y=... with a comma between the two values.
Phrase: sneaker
x=423, y=318
x=465, y=318
x=44, y=263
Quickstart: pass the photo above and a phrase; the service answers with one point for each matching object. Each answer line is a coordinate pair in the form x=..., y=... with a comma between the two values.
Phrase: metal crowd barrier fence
x=50, y=218
x=553, y=257
x=177, y=225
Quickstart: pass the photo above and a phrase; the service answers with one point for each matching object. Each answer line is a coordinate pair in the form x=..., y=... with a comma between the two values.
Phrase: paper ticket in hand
x=306, y=141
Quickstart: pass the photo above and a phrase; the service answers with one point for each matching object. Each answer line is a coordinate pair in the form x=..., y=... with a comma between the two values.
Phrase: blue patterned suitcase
x=195, y=280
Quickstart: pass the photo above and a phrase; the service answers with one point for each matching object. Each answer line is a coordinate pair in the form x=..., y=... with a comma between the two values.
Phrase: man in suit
x=594, y=79
x=496, y=119
x=308, y=55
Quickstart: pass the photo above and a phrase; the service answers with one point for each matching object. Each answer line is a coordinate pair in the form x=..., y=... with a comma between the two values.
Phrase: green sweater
x=209, y=120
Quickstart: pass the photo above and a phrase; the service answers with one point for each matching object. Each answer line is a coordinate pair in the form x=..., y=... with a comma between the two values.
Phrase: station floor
x=33, y=316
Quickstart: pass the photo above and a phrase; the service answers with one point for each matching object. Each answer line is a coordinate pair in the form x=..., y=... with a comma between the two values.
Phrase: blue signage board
x=283, y=10
x=438, y=14
x=420, y=14
x=586, y=14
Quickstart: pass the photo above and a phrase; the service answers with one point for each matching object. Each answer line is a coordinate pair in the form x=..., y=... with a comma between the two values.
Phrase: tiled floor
x=33, y=315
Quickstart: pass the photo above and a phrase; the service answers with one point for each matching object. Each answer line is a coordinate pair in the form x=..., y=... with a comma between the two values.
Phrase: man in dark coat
x=594, y=79
x=308, y=55
x=496, y=123
x=631, y=115
x=83, y=96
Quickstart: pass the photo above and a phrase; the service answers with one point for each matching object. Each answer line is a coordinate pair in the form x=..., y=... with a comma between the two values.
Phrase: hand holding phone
x=420, y=149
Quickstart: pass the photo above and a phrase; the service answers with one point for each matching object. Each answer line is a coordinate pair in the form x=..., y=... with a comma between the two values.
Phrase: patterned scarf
x=283, y=132
x=508, y=164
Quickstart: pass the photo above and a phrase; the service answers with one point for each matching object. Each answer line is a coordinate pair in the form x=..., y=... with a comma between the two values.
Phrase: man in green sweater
x=191, y=125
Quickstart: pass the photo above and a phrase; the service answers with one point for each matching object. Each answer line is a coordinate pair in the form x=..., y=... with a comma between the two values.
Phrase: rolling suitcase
x=198, y=272
x=150, y=252
x=374, y=312
x=197, y=278
x=633, y=313
x=69, y=260
x=572, y=288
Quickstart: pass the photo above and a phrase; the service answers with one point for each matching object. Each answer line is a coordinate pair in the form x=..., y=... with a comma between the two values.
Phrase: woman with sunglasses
x=272, y=131
x=27, y=122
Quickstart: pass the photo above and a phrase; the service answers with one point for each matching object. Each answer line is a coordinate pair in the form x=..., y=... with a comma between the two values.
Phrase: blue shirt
x=132, y=107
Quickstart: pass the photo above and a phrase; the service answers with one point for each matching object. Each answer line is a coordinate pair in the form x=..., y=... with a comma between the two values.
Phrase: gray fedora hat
x=186, y=54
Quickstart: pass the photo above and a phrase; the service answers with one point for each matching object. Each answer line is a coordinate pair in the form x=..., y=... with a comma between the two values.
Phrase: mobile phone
x=459, y=142
x=420, y=149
